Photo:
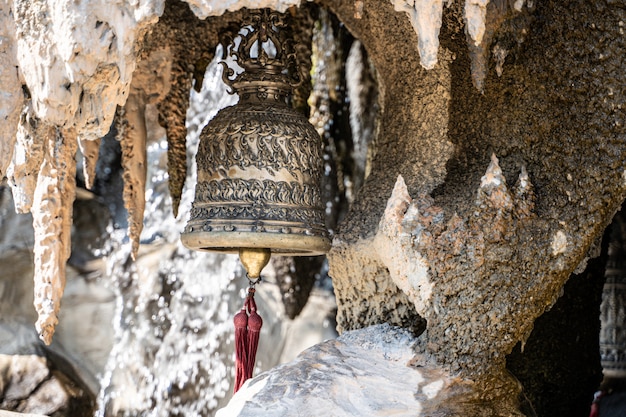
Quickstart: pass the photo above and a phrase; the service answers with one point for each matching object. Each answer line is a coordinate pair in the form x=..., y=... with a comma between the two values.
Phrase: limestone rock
x=50, y=397
x=29, y=385
x=368, y=372
x=77, y=59
x=425, y=17
x=52, y=222
x=21, y=375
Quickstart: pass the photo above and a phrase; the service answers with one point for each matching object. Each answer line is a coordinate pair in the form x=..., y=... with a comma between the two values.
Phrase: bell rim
x=280, y=244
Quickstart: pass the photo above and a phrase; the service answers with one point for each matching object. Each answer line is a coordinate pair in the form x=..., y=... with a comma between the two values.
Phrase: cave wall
x=479, y=248
x=499, y=158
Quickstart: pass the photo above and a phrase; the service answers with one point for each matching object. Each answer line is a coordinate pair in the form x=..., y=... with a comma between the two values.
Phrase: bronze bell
x=259, y=161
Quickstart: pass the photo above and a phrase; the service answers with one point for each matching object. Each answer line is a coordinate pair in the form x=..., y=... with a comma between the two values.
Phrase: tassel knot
x=248, y=325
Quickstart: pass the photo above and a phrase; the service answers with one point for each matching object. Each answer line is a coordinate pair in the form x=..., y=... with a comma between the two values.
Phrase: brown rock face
x=491, y=256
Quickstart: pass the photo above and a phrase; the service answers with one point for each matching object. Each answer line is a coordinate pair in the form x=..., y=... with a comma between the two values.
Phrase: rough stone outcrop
x=477, y=254
x=367, y=372
x=34, y=380
x=29, y=386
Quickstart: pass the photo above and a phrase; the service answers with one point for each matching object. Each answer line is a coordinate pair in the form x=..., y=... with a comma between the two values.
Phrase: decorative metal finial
x=267, y=56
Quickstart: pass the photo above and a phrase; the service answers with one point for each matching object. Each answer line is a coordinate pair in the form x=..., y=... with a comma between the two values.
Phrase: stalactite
x=483, y=18
x=77, y=58
x=487, y=20
x=132, y=136
x=52, y=221
x=172, y=118
x=188, y=61
x=301, y=30
x=151, y=83
x=494, y=204
x=295, y=277
x=27, y=158
x=476, y=19
x=90, y=150
x=426, y=18
x=524, y=196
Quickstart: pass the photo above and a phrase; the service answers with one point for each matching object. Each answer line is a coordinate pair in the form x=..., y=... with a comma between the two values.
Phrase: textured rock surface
x=564, y=345
x=88, y=51
x=28, y=385
x=30, y=382
x=12, y=97
x=77, y=59
x=486, y=250
x=367, y=372
x=23, y=375
x=27, y=158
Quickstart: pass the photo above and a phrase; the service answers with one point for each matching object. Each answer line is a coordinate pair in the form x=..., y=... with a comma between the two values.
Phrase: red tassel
x=241, y=340
x=247, y=331
x=255, y=322
x=595, y=406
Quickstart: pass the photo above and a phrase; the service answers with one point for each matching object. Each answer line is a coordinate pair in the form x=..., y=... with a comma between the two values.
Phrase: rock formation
x=30, y=386
x=367, y=372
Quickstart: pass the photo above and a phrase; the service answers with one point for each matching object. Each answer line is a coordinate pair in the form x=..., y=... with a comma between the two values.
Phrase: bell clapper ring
x=252, y=282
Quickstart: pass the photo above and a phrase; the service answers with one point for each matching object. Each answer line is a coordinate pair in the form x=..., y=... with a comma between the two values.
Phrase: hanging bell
x=260, y=161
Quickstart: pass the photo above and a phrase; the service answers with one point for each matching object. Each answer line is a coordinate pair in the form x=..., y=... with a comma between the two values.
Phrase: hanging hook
x=252, y=282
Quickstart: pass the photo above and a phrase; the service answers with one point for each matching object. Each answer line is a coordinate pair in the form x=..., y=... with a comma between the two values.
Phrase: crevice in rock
x=559, y=364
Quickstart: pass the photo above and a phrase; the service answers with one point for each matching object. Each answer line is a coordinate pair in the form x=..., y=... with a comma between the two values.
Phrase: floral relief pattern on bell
x=259, y=168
